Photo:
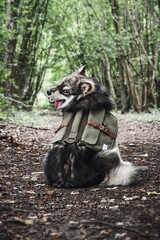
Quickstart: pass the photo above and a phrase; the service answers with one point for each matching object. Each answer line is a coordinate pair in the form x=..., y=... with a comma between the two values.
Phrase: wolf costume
x=84, y=151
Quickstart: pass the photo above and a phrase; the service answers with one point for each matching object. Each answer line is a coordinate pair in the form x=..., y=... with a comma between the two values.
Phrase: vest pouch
x=101, y=131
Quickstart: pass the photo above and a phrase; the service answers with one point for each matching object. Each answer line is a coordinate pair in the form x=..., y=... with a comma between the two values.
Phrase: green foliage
x=93, y=31
x=23, y=55
x=44, y=40
x=5, y=107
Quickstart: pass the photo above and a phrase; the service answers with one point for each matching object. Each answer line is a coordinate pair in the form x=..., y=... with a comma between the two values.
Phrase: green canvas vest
x=94, y=129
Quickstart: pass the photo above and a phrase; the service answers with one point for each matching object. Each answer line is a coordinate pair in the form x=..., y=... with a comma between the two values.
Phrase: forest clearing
x=41, y=41
x=31, y=210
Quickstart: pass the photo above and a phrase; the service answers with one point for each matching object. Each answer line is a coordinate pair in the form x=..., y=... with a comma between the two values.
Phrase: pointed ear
x=87, y=87
x=82, y=70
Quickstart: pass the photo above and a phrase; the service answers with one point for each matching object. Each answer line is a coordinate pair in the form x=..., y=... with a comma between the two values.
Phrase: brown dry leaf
x=42, y=203
x=50, y=192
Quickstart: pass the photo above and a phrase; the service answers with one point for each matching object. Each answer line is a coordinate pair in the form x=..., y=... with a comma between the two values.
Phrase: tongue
x=58, y=104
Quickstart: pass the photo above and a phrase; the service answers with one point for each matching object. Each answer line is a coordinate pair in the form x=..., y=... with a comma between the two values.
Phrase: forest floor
x=30, y=210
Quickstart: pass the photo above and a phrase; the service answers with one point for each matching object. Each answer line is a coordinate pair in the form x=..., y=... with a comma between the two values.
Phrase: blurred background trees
x=118, y=41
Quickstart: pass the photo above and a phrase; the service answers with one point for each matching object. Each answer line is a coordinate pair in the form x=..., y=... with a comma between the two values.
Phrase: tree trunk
x=107, y=76
x=123, y=89
x=23, y=53
x=9, y=57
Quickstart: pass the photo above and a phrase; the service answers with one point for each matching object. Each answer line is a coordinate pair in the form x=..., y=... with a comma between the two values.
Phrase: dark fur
x=72, y=165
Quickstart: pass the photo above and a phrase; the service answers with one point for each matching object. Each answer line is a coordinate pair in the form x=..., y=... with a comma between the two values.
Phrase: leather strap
x=61, y=126
x=102, y=128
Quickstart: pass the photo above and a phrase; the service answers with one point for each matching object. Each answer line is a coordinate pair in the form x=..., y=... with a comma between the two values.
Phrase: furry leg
x=121, y=173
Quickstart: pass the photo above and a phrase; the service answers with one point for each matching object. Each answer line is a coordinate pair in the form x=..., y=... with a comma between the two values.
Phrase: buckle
x=102, y=127
x=70, y=140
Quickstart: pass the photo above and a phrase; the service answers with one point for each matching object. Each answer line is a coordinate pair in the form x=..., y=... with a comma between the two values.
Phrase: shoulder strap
x=60, y=132
x=72, y=137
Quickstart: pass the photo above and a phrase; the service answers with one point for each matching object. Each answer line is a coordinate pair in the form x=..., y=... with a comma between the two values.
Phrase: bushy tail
x=126, y=174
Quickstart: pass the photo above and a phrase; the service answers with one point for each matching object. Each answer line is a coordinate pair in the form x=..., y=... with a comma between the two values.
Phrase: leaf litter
x=29, y=209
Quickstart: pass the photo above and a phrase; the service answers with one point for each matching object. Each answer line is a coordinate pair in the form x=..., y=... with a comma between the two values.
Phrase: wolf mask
x=76, y=92
x=74, y=161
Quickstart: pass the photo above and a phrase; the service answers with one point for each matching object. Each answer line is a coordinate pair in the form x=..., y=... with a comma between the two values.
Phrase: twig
x=14, y=100
x=37, y=128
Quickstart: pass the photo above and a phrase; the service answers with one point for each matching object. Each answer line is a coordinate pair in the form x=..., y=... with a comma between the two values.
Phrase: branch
x=138, y=39
x=117, y=43
x=19, y=102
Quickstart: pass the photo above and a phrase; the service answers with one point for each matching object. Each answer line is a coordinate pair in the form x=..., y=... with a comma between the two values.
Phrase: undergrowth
x=35, y=118
x=154, y=116
x=47, y=118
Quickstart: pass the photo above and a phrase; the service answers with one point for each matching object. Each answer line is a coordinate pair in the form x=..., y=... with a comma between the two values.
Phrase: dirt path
x=30, y=210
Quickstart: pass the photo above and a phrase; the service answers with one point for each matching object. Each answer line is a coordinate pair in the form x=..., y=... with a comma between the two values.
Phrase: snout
x=49, y=92
x=50, y=95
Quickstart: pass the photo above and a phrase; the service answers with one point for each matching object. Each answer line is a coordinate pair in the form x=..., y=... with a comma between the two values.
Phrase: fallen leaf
x=131, y=144
x=73, y=223
x=120, y=235
x=55, y=234
x=74, y=192
x=154, y=193
x=69, y=206
x=130, y=198
x=9, y=201
x=94, y=189
x=103, y=200
x=111, y=188
x=34, y=179
x=114, y=208
x=30, y=192
x=144, y=155
x=44, y=218
x=143, y=198
x=36, y=173
x=28, y=221
x=50, y=192
x=24, y=221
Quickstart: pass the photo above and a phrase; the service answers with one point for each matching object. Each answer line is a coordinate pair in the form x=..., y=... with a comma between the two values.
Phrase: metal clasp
x=70, y=140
